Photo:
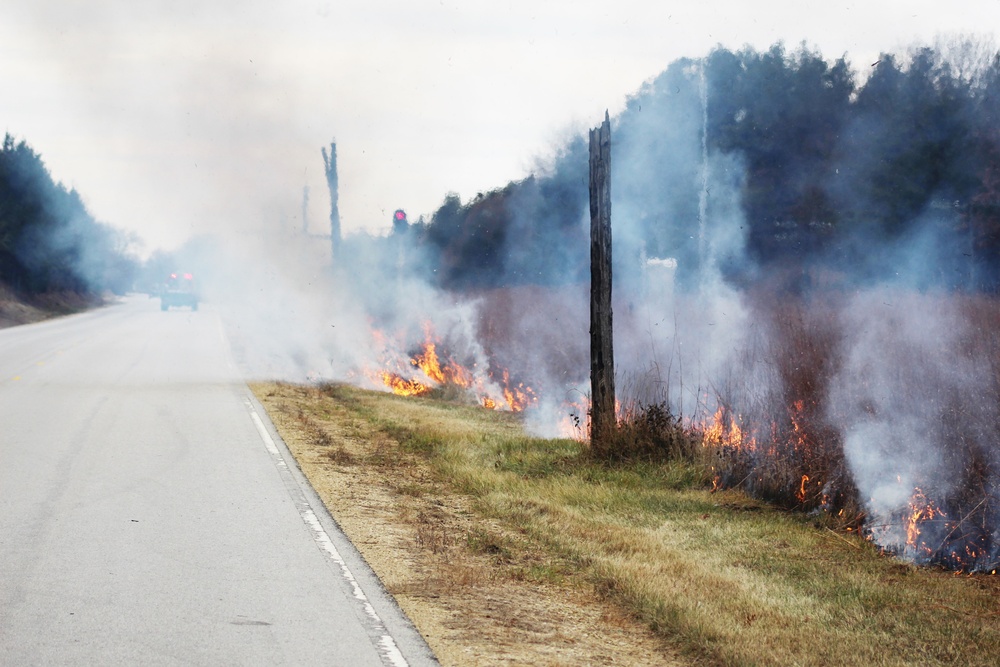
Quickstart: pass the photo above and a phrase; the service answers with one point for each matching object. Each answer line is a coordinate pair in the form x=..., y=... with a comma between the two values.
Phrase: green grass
x=726, y=579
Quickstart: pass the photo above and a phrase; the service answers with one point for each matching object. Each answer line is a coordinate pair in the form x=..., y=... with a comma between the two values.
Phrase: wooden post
x=330, y=164
x=602, y=362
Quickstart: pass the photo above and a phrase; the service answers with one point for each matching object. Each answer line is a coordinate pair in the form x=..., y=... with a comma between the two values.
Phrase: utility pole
x=602, y=362
x=330, y=165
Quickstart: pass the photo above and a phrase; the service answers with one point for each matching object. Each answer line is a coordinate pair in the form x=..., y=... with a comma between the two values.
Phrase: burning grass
x=878, y=413
x=720, y=577
x=432, y=372
x=876, y=410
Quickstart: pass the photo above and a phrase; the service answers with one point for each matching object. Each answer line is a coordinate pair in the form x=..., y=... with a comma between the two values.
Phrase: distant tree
x=982, y=216
x=657, y=161
x=470, y=240
x=783, y=113
x=903, y=143
x=48, y=239
x=527, y=232
x=835, y=171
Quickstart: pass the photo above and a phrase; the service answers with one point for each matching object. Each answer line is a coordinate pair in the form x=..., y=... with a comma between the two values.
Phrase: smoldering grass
x=722, y=577
x=929, y=384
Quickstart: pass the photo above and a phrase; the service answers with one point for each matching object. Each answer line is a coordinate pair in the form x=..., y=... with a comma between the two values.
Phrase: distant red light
x=400, y=215
x=188, y=276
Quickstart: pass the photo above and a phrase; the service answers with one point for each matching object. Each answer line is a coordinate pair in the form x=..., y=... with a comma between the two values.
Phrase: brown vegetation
x=506, y=549
x=15, y=309
x=480, y=592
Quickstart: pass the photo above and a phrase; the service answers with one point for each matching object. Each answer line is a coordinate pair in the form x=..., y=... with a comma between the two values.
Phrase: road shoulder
x=474, y=602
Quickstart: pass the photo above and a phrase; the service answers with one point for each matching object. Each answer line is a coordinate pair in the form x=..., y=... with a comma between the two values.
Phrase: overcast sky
x=177, y=117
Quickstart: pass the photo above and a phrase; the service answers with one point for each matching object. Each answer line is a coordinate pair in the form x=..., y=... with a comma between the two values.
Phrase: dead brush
x=652, y=434
x=779, y=444
x=646, y=429
x=432, y=534
x=337, y=454
x=319, y=436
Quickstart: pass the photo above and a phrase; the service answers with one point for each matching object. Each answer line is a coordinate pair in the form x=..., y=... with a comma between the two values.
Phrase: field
x=506, y=549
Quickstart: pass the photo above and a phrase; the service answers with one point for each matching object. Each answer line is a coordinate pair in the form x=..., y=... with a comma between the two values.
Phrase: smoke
x=916, y=401
x=294, y=316
x=764, y=265
x=833, y=334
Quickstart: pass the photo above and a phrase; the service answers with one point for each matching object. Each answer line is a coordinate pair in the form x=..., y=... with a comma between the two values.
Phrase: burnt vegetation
x=846, y=179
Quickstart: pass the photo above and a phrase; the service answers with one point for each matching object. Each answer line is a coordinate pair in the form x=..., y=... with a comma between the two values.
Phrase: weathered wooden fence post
x=602, y=362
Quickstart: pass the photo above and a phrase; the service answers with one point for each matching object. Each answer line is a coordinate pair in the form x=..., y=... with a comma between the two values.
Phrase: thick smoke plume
x=804, y=264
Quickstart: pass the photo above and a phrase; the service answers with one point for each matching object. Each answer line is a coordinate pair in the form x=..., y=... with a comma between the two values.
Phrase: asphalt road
x=149, y=515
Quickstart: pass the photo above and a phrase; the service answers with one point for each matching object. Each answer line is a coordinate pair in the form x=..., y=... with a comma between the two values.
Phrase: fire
x=921, y=511
x=450, y=373
x=404, y=387
x=576, y=422
x=801, y=495
x=718, y=433
x=575, y=425
x=429, y=369
x=796, y=415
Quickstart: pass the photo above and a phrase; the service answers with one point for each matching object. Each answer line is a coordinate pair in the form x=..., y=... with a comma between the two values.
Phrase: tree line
x=49, y=242
x=860, y=171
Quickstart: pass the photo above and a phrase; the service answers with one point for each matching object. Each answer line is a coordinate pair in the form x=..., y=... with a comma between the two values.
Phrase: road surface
x=149, y=515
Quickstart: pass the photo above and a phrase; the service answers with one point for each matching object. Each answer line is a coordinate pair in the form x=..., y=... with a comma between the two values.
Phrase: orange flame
x=450, y=373
x=798, y=429
x=720, y=434
x=518, y=398
x=403, y=387
x=921, y=509
x=801, y=495
x=432, y=371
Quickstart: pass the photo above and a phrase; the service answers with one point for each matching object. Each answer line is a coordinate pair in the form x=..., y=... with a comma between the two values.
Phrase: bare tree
x=330, y=165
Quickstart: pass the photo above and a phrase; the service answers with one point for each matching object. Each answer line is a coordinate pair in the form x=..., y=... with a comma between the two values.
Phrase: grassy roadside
x=15, y=310
x=711, y=578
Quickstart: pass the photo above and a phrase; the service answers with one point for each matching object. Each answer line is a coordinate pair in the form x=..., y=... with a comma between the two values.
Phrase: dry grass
x=822, y=367
x=720, y=579
x=16, y=309
x=480, y=592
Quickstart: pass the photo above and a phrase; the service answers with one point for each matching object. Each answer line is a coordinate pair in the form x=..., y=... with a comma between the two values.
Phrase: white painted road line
x=383, y=641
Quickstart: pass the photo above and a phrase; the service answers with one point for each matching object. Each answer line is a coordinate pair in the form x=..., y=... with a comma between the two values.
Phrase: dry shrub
x=767, y=430
x=340, y=456
x=778, y=443
x=782, y=433
x=648, y=433
x=968, y=433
